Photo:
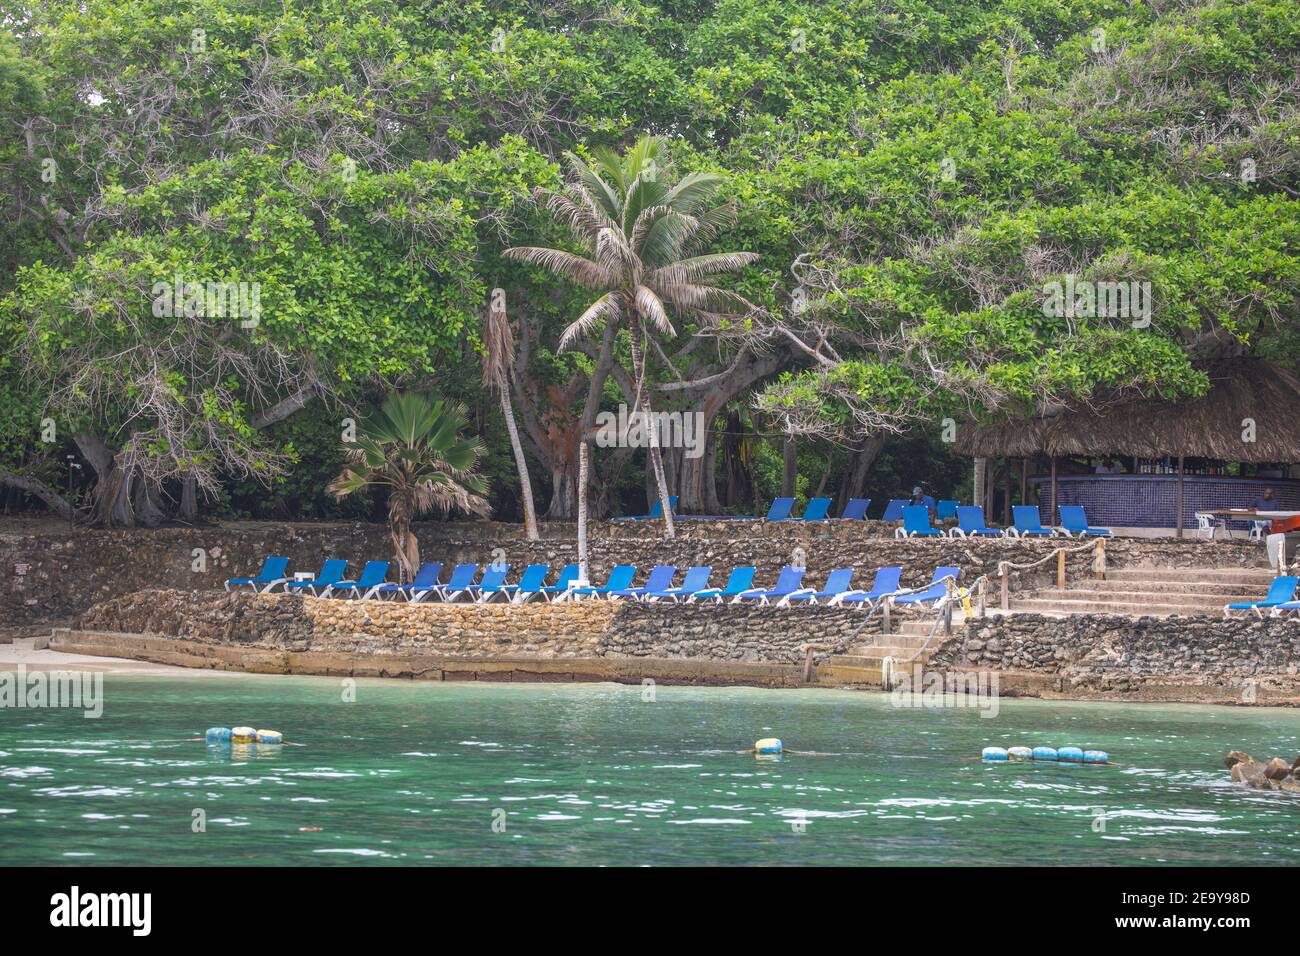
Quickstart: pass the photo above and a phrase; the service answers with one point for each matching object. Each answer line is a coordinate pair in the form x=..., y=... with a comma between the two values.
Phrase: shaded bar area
x=1148, y=463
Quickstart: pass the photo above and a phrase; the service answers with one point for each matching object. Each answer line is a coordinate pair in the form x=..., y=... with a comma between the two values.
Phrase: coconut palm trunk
x=525, y=485
x=498, y=366
x=584, y=455
x=653, y=451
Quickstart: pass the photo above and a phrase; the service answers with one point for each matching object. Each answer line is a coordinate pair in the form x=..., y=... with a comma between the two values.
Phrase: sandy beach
x=22, y=653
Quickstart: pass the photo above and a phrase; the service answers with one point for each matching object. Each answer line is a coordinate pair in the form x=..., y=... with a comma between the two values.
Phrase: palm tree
x=498, y=367
x=641, y=240
x=412, y=447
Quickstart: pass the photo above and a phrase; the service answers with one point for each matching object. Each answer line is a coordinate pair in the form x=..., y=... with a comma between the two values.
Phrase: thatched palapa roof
x=1211, y=426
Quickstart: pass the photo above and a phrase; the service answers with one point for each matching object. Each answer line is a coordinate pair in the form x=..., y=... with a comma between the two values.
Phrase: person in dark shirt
x=919, y=497
x=1264, y=502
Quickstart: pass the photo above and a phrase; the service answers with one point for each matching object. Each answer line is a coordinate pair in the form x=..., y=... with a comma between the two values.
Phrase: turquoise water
x=417, y=773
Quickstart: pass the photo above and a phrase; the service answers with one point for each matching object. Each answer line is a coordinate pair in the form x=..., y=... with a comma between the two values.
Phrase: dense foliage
x=912, y=175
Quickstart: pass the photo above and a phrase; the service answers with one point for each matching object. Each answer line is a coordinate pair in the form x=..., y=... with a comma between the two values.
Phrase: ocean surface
x=583, y=774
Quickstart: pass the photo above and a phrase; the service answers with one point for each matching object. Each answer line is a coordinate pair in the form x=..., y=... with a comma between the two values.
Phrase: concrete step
x=1227, y=589
x=895, y=640
x=877, y=651
x=1139, y=597
x=1145, y=609
x=1250, y=576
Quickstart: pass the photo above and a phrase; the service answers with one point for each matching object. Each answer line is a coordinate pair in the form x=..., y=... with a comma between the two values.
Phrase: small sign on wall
x=20, y=570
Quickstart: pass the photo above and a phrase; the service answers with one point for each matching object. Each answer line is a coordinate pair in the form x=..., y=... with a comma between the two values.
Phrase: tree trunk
x=789, y=467
x=860, y=462
x=111, y=496
x=148, y=507
x=583, y=455
x=406, y=547
x=643, y=406
x=525, y=486
x=977, y=485
x=189, y=507
x=32, y=486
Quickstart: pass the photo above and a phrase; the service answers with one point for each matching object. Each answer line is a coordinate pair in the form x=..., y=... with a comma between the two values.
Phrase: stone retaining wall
x=64, y=573
x=1108, y=652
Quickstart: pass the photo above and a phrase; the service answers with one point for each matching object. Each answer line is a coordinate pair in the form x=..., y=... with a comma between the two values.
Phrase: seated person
x=1264, y=502
x=919, y=497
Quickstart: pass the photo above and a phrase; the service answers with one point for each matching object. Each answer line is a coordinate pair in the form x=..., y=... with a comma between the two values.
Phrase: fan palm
x=412, y=446
x=641, y=239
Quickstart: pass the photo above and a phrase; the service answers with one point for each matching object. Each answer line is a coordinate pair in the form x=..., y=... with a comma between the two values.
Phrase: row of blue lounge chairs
x=660, y=585
x=916, y=518
x=970, y=523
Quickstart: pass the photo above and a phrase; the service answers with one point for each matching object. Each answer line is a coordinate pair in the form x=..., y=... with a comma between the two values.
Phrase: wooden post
x=808, y=664
x=1099, y=567
x=885, y=626
x=1178, y=502
x=1005, y=572
x=1060, y=568
x=1051, y=519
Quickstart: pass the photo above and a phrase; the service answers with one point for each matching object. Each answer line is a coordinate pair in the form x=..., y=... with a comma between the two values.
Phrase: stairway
x=862, y=661
x=1154, y=592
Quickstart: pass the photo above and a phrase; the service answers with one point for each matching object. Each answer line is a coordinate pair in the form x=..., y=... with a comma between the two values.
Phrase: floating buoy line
x=243, y=735
x=1044, y=755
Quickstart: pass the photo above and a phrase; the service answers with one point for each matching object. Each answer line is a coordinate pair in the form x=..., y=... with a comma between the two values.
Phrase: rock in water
x=1276, y=769
x=1251, y=773
x=1239, y=756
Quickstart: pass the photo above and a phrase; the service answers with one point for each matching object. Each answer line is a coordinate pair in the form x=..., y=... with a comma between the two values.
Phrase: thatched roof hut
x=1216, y=425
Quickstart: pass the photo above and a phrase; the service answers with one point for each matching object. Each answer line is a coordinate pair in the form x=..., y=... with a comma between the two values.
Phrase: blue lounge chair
x=659, y=579
x=1285, y=607
x=894, y=510
x=885, y=584
x=945, y=510
x=530, y=582
x=656, y=511
x=620, y=576
x=331, y=572
x=816, y=510
x=780, y=510
x=371, y=577
x=837, y=582
x=1075, y=521
x=696, y=579
x=916, y=523
x=462, y=576
x=426, y=576
x=274, y=571
x=936, y=592
x=1028, y=523
x=568, y=574
x=787, y=582
x=856, y=509
x=492, y=579
x=739, y=582
x=1280, y=592
x=970, y=521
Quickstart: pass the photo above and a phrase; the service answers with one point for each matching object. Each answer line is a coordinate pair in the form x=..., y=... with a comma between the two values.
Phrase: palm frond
x=606, y=308
x=566, y=265
x=648, y=304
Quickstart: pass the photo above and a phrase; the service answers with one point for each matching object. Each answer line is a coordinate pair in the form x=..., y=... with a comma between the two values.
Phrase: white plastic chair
x=1206, y=523
x=1257, y=529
